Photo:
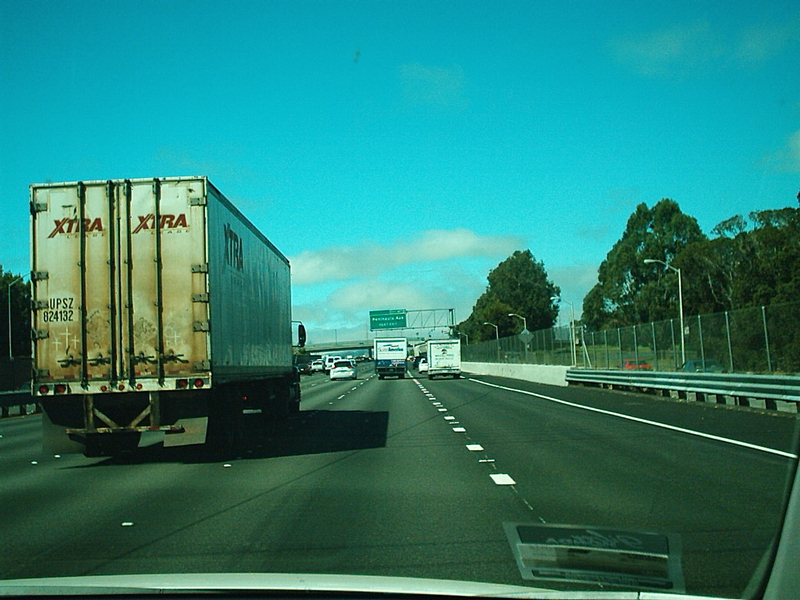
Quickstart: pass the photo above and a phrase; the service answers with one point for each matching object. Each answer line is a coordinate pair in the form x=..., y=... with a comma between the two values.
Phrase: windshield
x=594, y=203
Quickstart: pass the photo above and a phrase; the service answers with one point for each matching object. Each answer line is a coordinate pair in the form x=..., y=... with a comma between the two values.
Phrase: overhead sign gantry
x=411, y=319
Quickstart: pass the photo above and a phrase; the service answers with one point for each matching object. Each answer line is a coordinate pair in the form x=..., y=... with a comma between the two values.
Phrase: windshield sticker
x=636, y=559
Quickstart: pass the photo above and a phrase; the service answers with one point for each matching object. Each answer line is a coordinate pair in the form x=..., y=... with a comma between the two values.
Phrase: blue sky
x=397, y=151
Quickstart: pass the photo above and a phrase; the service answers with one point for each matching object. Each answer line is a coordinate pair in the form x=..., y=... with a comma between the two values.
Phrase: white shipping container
x=169, y=278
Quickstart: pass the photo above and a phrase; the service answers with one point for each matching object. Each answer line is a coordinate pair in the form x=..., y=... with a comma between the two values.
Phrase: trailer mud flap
x=185, y=432
x=194, y=432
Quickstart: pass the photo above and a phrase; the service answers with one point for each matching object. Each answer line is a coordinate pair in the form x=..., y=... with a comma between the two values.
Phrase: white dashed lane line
x=502, y=479
x=497, y=478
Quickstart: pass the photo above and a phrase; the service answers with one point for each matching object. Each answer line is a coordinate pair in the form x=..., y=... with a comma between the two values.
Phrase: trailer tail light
x=198, y=383
x=60, y=388
x=182, y=384
x=103, y=388
x=138, y=386
x=43, y=390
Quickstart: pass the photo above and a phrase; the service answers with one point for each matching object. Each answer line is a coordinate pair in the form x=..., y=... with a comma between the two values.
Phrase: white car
x=343, y=369
x=423, y=365
x=317, y=365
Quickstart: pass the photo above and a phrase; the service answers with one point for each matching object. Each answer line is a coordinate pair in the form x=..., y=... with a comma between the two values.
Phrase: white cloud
x=433, y=86
x=676, y=50
x=343, y=314
x=787, y=159
x=668, y=51
x=341, y=263
x=575, y=282
x=341, y=309
x=760, y=42
x=378, y=294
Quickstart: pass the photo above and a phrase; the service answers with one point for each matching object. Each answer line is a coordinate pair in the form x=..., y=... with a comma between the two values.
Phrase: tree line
x=747, y=261
x=19, y=318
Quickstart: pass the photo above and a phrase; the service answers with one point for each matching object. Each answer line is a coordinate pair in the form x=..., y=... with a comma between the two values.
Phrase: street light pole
x=496, y=337
x=648, y=261
x=572, y=338
x=524, y=320
x=524, y=331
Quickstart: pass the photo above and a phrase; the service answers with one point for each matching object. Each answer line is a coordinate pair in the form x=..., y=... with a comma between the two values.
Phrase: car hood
x=309, y=584
x=271, y=582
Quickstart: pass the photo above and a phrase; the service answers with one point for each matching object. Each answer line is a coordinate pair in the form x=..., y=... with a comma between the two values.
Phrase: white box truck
x=390, y=357
x=444, y=358
x=159, y=313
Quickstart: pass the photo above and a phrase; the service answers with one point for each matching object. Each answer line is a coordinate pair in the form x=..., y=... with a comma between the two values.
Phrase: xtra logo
x=165, y=222
x=146, y=222
x=71, y=226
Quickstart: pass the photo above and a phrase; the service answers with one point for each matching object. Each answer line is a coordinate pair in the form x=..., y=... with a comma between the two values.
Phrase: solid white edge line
x=645, y=421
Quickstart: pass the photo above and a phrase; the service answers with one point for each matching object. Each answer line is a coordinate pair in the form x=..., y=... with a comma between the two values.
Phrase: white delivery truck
x=444, y=358
x=390, y=357
x=159, y=314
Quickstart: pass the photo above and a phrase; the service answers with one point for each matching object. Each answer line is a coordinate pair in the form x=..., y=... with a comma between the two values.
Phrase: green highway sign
x=387, y=319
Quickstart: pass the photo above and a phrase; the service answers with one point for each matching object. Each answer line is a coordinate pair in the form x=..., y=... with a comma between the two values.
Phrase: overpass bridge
x=356, y=345
x=328, y=347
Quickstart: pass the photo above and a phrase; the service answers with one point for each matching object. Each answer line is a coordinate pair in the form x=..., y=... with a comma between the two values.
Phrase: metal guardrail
x=741, y=386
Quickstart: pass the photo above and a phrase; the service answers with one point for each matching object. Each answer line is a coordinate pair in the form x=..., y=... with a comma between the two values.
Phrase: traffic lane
x=76, y=515
x=308, y=382
x=71, y=509
x=400, y=504
x=418, y=505
x=421, y=506
x=20, y=434
x=320, y=391
x=577, y=467
x=772, y=429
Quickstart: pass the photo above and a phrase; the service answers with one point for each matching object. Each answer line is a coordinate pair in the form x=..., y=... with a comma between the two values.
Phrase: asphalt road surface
x=413, y=478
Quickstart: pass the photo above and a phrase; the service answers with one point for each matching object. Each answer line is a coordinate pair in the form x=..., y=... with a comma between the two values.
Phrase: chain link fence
x=764, y=339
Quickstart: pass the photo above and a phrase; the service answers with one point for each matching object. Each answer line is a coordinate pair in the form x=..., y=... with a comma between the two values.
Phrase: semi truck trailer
x=160, y=314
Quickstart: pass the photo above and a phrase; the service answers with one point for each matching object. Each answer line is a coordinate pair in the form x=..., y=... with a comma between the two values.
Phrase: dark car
x=303, y=366
x=699, y=365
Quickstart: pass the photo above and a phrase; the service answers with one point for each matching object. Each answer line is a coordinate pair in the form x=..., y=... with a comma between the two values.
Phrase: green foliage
x=517, y=285
x=752, y=262
x=628, y=290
